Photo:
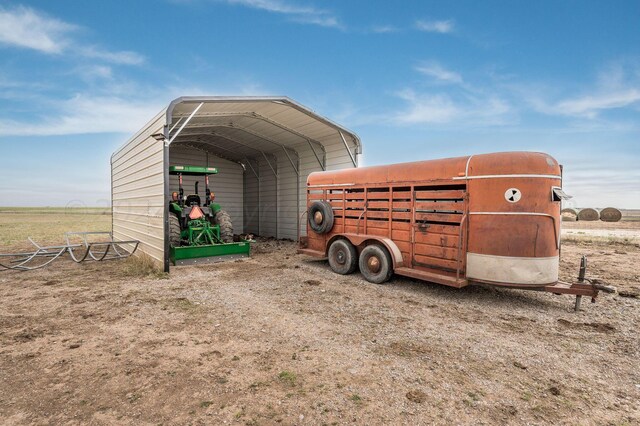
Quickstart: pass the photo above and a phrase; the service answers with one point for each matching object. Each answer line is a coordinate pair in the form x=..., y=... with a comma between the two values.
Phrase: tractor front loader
x=200, y=231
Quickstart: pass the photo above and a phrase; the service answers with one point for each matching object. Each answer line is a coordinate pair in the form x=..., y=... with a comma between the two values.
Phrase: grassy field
x=47, y=225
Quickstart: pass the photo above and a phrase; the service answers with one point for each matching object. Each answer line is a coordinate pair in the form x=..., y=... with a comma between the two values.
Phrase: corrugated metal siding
x=287, y=197
x=137, y=176
x=227, y=185
x=268, y=193
x=337, y=158
x=251, y=197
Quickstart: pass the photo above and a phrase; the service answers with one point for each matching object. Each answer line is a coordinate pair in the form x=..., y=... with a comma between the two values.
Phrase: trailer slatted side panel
x=227, y=185
x=425, y=222
x=137, y=176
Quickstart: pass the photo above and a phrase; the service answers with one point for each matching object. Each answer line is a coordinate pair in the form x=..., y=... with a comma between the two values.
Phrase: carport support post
x=353, y=160
x=322, y=165
x=165, y=171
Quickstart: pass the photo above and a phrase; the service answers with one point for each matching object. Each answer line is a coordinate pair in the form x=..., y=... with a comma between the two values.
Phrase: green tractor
x=200, y=231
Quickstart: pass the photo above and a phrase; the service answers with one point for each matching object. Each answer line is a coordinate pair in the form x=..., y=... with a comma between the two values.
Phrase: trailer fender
x=360, y=241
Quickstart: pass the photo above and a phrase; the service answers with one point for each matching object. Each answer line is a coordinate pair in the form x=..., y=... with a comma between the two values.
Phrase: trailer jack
x=583, y=287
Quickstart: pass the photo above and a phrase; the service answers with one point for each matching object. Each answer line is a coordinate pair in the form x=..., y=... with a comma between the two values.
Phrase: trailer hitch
x=583, y=287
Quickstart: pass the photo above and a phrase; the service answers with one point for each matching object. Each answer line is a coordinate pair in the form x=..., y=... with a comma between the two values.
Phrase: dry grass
x=599, y=240
x=142, y=265
x=47, y=225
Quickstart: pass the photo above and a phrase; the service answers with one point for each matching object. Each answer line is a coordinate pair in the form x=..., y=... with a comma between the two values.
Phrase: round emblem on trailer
x=513, y=195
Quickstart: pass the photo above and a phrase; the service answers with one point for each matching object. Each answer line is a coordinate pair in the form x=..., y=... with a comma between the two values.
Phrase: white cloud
x=26, y=28
x=323, y=21
x=91, y=73
x=86, y=114
x=443, y=108
x=112, y=106
x=460, y=104
x=301, y=14
x=593, y=183
x=590, y=106
x=438, y=108
x=384, y=29
x=437, y=71
x=442, y=27
x=123, y=57
x=615, y=88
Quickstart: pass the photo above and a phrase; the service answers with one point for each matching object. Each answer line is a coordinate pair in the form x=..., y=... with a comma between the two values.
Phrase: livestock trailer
x=491, y=218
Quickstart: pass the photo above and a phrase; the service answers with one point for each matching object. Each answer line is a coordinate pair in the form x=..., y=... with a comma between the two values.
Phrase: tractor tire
x=223, y=219
x=174, y=230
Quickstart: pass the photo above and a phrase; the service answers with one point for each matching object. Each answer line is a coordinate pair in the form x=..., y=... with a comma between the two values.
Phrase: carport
x=263, y=147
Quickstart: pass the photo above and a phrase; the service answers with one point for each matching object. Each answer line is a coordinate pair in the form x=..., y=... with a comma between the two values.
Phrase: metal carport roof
x=266, y=135
x=238, y=128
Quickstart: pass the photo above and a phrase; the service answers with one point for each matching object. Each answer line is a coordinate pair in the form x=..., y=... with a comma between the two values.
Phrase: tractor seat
x=193, y=199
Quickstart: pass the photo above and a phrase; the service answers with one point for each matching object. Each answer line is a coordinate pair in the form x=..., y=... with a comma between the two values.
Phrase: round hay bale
x=569, y=215
x=588, y=214
x=610, y=214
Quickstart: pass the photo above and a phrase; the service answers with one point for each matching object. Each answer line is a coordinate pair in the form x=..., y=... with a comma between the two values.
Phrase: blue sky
x=415, y=80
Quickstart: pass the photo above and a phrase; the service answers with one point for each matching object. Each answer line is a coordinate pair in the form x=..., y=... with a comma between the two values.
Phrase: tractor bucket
x=195, y=255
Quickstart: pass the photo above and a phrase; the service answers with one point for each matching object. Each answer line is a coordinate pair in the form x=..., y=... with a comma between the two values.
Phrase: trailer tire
x=343, y=257
x=223, y=219
x=375, y=264
x=320, y=216
x=174, y=230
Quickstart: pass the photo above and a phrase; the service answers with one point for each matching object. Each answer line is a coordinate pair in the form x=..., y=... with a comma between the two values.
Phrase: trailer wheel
x=174, y=230
x=375, y=264
x=223, y=219
x=343, y=257
x=320, y=215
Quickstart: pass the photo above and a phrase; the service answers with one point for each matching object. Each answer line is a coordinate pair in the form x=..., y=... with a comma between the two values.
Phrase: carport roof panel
x=276, y=117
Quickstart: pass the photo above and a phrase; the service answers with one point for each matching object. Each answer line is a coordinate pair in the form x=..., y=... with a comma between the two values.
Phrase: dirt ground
x=280, y=339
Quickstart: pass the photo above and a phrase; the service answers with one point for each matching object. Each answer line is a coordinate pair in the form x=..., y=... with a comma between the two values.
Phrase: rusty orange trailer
x=490, y=218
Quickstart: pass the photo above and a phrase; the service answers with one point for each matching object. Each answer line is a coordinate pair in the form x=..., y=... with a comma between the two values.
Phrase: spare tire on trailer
x=174, y=230
x=223, y=219
x=320, y=215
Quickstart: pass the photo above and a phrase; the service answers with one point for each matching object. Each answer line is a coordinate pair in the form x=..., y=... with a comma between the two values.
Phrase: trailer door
x=437, y=225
